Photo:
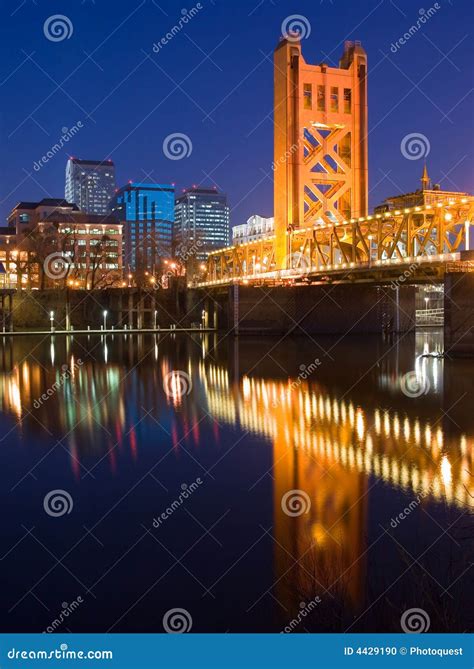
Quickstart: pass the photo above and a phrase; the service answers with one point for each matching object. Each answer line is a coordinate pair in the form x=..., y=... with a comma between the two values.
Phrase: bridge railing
x=429, y=316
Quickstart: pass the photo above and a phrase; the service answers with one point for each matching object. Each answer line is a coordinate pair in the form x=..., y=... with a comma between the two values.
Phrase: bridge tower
x=320, y=141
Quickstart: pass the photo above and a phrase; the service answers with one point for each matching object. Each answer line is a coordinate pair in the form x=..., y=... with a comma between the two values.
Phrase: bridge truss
x=423, y=241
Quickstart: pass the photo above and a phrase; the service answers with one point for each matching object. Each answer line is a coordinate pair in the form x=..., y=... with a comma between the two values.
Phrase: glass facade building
x=201, y=221
x=147, y=212
x=90, y=184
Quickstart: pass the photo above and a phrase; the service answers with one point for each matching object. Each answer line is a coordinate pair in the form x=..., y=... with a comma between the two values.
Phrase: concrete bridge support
x=459, y=314
x=315, y=309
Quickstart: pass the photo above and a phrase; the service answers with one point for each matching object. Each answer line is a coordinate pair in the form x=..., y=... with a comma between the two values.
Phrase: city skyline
x=238, y=338
x=233, y=150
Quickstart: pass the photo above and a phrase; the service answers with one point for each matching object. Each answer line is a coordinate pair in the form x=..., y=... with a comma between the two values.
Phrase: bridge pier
x=459, y=313
x=315, y=309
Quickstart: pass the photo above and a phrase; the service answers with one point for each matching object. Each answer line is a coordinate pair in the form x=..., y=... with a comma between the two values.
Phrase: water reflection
x=334, y=432
x=399, y=446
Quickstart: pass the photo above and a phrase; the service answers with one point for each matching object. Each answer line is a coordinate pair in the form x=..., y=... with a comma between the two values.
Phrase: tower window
x=321, y=98
x=334, y=99
x=308, y=96
x=347, y=100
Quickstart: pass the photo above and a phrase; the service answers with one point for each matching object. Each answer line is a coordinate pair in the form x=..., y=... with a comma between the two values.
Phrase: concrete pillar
x=130, y=309
x=235, y=308
x=459, y=314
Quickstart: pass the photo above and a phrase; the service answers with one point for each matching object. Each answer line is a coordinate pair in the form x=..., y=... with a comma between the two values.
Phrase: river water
x=258, y=484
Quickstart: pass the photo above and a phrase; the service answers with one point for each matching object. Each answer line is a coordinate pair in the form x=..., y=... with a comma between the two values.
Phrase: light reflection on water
x=334, y=431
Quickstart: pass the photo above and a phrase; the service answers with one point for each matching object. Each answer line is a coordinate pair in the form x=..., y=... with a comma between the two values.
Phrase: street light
x=51, y=318
x=427, y=299
x=105, y=320
x=156, y=315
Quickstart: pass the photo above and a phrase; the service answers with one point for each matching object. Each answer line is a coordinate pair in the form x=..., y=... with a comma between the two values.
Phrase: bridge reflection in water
x=335, y=449
x=341, y=434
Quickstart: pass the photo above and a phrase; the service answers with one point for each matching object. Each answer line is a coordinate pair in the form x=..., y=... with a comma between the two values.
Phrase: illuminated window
x=347, y=100
x=308, y=96
x=334, y=99
x=321, y=98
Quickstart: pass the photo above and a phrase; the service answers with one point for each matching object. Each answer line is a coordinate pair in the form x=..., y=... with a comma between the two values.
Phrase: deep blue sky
x=136, y=102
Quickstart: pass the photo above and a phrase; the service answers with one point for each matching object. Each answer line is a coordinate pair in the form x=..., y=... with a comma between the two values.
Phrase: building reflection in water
x=330, y=447
x=325, y=442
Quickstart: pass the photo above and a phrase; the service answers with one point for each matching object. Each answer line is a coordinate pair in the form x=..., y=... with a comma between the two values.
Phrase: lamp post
x=427, y=299
x=51, y=318
x=156, y=315
x=105, y=320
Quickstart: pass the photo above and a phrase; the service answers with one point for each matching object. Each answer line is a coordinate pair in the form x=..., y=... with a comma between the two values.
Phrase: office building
x=90, y=184
x=201, y=222
x=147, y=214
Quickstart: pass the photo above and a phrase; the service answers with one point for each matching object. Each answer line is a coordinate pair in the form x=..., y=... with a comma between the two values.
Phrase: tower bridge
x=328, y=265
x=322, y=229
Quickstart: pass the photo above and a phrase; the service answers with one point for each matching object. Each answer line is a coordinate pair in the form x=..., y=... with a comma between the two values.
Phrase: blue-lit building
x=147, y=213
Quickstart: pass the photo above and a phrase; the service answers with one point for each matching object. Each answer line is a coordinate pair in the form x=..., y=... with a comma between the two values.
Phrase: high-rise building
x=201, y=221
x=147, y=213
x=90, y=184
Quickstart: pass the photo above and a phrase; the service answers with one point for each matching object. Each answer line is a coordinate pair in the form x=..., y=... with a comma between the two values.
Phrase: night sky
x=214, y=82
